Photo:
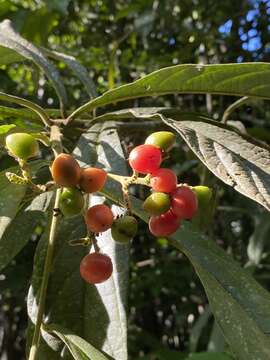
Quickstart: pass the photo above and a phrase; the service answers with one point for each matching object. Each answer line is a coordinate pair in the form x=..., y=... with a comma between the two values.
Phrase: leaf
x=10, y=198
x=95, y=313
x=21, y=228
x=259, y=238
x=209, y=356
x=246, y=79
x=60, y=6
x=12, y=40
x=8, y=56
x=237, y=159
x=79, y=348
x=4, y=129
x=198, y=328
x=28, y=104
x=240, y=305
x=79, y=70
x=25, y=114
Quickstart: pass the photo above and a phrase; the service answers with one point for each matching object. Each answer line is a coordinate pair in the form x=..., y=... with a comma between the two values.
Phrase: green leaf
x=8, y=56
x=26, y=114
x=10, y=199
x=208, y=356
x=78, y=69
x=259, y=238
x=79, y=348
x=240, y=305
x=4, y=129
x=28, y=104
x=22, y=228
x=246, y=79
x=12, y=40
x=95, y=313
x=198, y=328
x=237, y=159
x=60, y=6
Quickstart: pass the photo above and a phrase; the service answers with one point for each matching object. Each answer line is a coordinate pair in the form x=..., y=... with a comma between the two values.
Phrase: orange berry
x=65, y=170
x=99, y=218
x=92, y=179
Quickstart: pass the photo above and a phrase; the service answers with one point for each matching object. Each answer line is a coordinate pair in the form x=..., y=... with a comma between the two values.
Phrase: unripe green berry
x=71, y=202
x=22, y=145
x=204, y=195
x=124, y=229
x=205, y=207
x=157, y=203
x=162, y=139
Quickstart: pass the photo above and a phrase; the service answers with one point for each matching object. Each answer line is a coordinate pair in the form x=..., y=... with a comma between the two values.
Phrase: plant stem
x=233, y=107
x=45, y=278
x=57, y=149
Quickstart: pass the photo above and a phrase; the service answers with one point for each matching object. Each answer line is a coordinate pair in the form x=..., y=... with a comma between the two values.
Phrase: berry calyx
x=92, y=179
x=22, y=145
x=163, y=180
x=99, y=218
x=165, y=224
x=96, y=268
x=184, y=202
x=71, y=202
x=145, y=158
x=124, y=229
x=65, y=170
x=162, y=139
x=157, y=203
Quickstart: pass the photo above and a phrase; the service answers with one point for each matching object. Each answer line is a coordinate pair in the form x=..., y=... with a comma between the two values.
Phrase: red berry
x=165, y=224
x=65, y=170
x=145, y=158
x=92, y=179
x=184, y=202
x=99, y=218
x=95, y=268
x=163, y=180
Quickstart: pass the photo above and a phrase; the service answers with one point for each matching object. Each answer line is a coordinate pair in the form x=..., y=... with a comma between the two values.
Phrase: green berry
x=204, y=215
x=204, y=195
x=157, y=203
x=71, y=202
x=124, y=229
x=161, y=139
x=22, y=145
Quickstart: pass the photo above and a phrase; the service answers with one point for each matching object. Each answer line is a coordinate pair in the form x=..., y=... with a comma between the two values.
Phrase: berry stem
x=33, y=355
x=134, y=179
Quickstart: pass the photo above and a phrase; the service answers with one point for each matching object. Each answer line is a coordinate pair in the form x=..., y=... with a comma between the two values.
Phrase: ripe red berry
x=95, y=268
x=65, y=170
x=145, y=158
x=99, y=218
x=184, y=202
x=165, y=224
x=163, y=180
x=92, y=179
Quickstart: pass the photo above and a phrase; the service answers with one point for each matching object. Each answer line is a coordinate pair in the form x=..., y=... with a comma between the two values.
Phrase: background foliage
x=118, y=42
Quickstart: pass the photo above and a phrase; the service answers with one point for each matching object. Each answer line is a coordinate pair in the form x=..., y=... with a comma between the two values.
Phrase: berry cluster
x=66, y=172
x=167, y=205
x=169, y=202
